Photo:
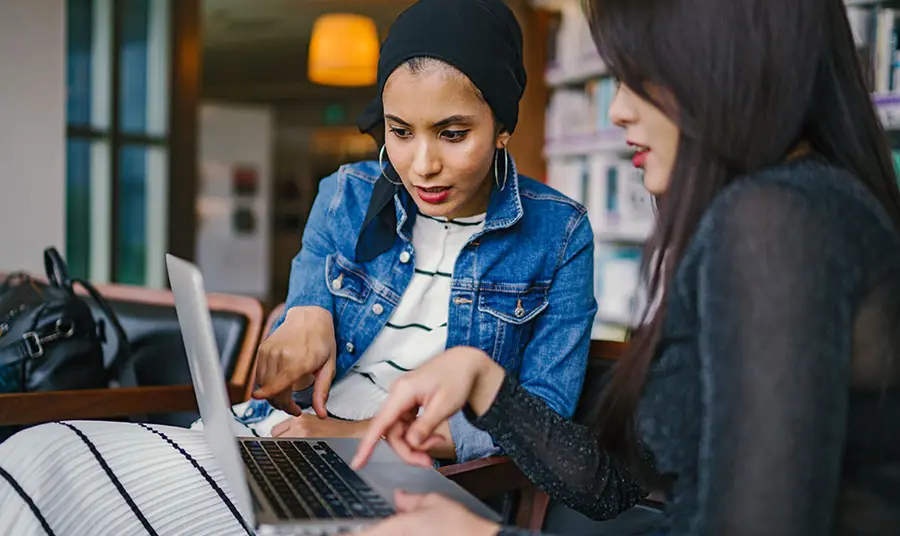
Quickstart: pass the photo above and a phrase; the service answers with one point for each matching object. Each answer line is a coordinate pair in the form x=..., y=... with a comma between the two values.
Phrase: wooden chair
x=128, y=301
x=492, y=476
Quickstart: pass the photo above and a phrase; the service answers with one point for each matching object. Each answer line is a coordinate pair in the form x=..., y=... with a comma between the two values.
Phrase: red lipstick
x=433, y=196
x=639, y=159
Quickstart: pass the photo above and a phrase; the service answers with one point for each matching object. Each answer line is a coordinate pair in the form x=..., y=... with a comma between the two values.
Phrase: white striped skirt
x=108, y=478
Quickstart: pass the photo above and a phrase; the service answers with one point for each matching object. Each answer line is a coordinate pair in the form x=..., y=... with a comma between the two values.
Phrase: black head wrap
x=480, y=38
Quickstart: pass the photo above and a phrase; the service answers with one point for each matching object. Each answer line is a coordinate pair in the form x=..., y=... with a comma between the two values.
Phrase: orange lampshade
x=343, y=50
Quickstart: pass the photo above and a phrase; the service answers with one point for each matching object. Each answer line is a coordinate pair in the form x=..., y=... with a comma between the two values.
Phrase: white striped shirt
x=417, y=329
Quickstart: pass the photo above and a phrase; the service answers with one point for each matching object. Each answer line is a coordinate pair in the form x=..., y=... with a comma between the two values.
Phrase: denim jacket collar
x=385, y=220
x=505, y=206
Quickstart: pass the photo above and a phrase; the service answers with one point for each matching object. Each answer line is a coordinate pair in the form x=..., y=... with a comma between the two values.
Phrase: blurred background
x=133, y=128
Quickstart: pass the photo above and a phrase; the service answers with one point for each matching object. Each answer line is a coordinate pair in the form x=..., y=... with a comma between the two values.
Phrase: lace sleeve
x=558, y=455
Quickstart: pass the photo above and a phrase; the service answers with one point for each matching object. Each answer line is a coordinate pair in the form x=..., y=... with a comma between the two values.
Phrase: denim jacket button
x=337, y=284
x=519, y=312
x=350, y=348
x=404, y=257
x=377, y=309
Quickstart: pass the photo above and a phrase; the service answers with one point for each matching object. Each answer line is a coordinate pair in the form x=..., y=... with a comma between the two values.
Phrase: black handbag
x=50, y=340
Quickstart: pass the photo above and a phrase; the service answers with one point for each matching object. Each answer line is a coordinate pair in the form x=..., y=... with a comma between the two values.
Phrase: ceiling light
x=343, y=51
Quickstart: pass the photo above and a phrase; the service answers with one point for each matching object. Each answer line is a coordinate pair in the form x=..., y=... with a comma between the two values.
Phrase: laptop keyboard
x=308, y=480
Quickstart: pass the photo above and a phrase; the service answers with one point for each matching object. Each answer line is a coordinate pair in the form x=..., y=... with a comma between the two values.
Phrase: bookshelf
x=588, y=159
x=592, y=67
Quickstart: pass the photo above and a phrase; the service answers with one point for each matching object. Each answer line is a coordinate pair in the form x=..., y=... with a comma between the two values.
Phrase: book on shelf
x=875, y=31
x=579, y=113
x=621, y=215
x=611, y=189
x=616, y=284
x=571, y=48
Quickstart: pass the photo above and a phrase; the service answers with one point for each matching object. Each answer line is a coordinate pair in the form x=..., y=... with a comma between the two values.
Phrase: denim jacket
x=521, y=289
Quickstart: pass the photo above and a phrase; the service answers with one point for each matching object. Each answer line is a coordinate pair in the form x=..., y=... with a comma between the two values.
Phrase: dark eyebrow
x=453, y=119
x=396, y=119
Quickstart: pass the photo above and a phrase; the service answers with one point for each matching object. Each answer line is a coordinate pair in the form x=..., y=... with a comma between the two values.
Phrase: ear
x=503, y=139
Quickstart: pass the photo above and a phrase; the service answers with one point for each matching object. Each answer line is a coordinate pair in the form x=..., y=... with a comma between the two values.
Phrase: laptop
x=291, y=486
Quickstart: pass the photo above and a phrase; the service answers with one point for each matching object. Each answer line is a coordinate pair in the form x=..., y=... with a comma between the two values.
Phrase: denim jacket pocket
x=507, y=312
x=345, y=280
x=351, y=288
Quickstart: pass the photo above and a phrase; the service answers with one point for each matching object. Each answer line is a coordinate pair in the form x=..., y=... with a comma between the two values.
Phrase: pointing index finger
x=392, y=411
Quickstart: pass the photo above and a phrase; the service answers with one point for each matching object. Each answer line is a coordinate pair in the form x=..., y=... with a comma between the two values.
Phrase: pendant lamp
x=343, y=51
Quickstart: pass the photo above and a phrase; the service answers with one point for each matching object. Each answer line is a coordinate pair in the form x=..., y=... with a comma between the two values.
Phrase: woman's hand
x=302, y=346
x=422, y=399
x=307, y=425
x=431, y=514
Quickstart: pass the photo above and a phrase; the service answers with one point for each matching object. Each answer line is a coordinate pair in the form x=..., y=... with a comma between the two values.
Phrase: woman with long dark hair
x=760, y=393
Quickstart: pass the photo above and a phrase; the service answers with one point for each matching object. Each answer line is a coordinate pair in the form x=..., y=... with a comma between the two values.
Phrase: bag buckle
x=34, y=343
x=33, y=346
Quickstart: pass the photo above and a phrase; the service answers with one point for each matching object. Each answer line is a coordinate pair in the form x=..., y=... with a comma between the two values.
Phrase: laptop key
x=376, y=504
x=357, y=506
x=305, y=484
x=311, y=481
x=322, y=478
x=344, y=470
x=263, y=483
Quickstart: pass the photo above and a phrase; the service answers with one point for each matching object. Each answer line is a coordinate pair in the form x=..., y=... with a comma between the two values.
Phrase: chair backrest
x=150, y=322
x=601, y=358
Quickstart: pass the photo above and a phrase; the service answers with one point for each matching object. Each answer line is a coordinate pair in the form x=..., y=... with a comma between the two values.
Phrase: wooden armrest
x=47, y=406
x=487, y=477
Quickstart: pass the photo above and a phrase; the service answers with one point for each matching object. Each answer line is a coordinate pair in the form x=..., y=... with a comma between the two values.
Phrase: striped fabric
x=118, y=479
x=417, y=329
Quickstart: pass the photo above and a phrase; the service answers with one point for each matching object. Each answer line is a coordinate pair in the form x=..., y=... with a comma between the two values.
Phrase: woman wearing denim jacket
x=441, y=233
x=438, y=244
x=517, y=289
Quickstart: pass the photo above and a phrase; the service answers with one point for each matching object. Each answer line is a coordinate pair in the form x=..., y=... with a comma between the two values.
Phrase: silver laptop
x=291, y=486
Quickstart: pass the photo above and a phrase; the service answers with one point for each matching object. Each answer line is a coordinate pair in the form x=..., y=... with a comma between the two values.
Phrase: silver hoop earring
x=505, y=168
x=381, y=165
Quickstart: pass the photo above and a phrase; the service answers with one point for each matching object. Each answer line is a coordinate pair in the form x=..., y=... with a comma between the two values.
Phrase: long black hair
x=749, y=81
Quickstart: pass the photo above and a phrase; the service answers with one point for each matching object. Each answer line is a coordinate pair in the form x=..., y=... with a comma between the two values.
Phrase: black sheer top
x=773, y=404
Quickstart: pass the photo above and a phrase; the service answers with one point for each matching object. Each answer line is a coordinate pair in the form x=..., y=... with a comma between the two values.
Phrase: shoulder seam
x=350, y=171
x=345, y=172
x=570, y=230
x=338, y=194
x=559, y=198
